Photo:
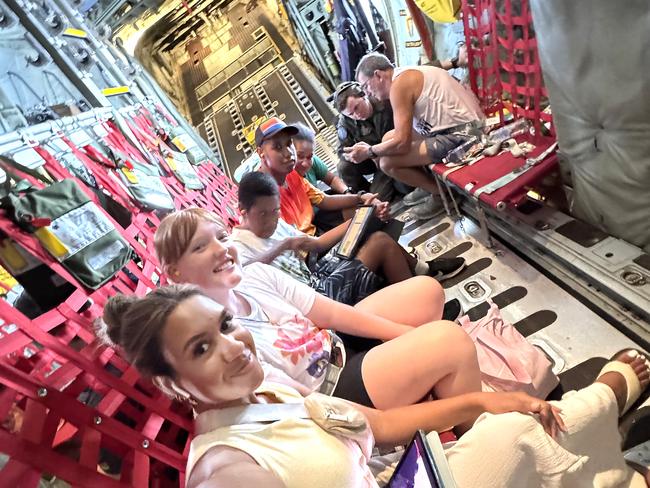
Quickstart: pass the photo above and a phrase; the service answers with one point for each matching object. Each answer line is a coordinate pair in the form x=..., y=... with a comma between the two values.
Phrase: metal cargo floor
x=572, y=335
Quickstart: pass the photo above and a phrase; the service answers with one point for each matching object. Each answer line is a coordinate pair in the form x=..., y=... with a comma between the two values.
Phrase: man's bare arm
x=335, y=183
x=403, y=94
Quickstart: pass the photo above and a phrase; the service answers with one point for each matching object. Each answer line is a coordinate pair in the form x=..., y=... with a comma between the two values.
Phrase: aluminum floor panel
x=571, y=333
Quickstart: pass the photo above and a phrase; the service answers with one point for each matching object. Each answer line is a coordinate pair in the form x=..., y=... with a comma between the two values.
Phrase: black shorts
x=350, y=385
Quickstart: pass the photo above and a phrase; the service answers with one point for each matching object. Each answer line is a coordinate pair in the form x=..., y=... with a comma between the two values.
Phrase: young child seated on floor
x=266, y=238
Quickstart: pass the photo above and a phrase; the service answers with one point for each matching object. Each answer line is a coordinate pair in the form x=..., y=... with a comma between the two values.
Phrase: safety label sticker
x=77, y=229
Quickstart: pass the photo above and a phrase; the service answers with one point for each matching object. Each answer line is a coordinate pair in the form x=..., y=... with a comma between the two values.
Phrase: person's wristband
x=372, y=153
x=454, y=62
x=360, y=199
x=348, y=191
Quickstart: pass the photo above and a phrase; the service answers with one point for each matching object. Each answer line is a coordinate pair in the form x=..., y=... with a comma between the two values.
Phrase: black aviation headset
x=343, y=87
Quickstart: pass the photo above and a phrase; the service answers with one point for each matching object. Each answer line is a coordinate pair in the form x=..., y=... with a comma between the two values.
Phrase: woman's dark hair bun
x=114, y=311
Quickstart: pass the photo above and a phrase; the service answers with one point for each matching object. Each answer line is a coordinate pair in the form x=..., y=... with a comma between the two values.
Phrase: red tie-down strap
x=144, y=123
x=479, y=25
x=148, y=124
x=150, y=142
x=28, y=460
x=162, y=111
x=221, y=192
x=99, y=165
x=218, y=196
x=118, y=141
x=12, y=169
x=76, y=379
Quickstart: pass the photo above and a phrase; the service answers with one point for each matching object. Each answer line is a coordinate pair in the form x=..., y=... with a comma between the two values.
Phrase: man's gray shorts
x=439, y=145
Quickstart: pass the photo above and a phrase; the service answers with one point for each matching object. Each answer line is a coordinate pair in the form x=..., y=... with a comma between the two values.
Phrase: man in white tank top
x=433, y=114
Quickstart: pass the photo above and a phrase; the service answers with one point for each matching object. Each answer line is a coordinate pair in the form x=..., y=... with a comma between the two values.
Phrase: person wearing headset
x=363, y=118
x=433, y=113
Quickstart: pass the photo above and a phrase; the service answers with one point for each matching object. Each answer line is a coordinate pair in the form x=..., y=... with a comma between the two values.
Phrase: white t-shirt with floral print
x=284, y=337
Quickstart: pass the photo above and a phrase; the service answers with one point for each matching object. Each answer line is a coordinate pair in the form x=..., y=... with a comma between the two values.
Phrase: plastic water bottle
x=518, y=127
x=456, y=155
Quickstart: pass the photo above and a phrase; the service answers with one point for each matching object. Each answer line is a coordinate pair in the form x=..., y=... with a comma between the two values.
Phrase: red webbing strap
x=90, y=441
x=82, y=415
x=58, y=171
x=221, y=193
x=478, y=23
x=142, y=129
x=34, y=422
x=61, y=361
x=13, y=342
x=13, y=170
x=150, y=142
x=36, y=330
x=148, y=123
x=104, y=177
x=19, y=474
x=118, y=142
x=209, y=174
x=162, y=111
x=41, y=458
x=7, y=400
x=96, y=155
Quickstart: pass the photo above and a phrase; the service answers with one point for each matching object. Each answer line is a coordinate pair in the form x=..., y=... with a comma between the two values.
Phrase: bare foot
x=616, y=381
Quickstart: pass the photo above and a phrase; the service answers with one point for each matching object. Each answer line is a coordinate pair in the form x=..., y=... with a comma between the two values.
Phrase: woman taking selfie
x=193, y=349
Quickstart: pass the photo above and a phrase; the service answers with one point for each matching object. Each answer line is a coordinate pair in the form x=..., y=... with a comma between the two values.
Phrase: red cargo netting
x=71, y=408
x=505, y=72
x=506, y=76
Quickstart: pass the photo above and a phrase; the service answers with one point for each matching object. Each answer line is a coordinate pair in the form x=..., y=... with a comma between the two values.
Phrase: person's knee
x=379, y=238
x=382, y=243
x=430, y=289
x=387, y=165
x=509, y=427
x=458, y=341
